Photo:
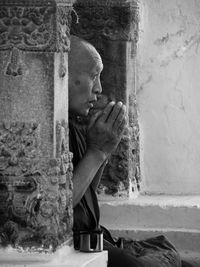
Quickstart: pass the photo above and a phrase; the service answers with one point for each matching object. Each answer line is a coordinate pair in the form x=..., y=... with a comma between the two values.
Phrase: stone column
x=112, y=27
x=35, y=163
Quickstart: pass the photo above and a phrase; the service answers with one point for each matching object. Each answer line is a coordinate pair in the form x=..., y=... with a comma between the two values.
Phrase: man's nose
x=97, y=87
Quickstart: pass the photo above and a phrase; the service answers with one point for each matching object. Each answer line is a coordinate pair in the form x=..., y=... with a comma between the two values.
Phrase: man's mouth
x=91, y=104
x=101, y=102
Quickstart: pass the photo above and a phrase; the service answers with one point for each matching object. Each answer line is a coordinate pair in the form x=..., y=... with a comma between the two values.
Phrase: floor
x=190, y=257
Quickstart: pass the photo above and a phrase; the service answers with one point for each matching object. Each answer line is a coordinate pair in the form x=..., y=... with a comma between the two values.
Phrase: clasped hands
x=106, y=128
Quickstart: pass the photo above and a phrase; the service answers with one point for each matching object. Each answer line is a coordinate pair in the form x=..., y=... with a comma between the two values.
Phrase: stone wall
x=168, y=96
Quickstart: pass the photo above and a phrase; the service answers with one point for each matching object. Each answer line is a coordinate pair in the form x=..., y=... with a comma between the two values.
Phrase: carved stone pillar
x=112, y=27
x=35, y=163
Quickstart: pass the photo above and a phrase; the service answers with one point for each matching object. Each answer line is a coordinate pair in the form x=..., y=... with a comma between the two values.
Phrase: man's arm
x=97, y=178
x=104, y=134
x=85, y=172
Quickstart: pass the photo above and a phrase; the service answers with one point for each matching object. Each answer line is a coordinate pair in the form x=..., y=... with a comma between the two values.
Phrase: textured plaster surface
x=168, y=96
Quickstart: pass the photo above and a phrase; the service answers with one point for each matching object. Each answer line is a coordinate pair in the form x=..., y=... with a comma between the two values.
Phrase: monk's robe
x=154, y=252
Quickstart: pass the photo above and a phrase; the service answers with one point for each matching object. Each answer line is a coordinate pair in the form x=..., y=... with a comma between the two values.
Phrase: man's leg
x=121, y=258
x=186, y=264
x=154, y=252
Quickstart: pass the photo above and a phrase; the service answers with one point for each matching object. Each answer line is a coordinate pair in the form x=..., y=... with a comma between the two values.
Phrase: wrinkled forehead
x=84, y=57
x=96, y=61
x=90, y=59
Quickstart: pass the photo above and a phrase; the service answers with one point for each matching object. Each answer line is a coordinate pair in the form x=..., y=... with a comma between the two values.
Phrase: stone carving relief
x=64, y=23
x=35, y=192
x=106, y=20
x=66, y=170
x=33, y=26
x=14, y=66
x=26, y=27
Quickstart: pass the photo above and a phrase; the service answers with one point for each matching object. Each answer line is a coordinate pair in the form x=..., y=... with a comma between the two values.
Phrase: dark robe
x=86, y=212
x=154, y=252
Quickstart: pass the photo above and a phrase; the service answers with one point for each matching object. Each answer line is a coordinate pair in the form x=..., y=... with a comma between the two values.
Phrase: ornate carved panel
x=34, y=26
x=35, y=192
x=103, y=19
x=26, y=28
x=41, y=26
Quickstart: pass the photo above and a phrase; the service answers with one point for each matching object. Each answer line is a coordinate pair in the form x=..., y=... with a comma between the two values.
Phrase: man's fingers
x=120, y=118
x=114, y=113
x=94, y=118
x=121, y=127
x=106, y=111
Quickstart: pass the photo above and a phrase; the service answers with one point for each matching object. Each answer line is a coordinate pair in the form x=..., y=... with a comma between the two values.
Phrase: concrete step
x=63, y=257
x=177, y=217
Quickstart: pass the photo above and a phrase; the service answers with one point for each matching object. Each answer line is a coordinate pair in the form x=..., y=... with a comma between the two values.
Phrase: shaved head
x=82, y=55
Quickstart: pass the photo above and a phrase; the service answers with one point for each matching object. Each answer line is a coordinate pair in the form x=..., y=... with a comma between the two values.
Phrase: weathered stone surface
x=114, y=20
x=33, y=26
x=35, y=162
x=34, y=191
x=36, y=25
x=168, y=96
x=112, y=27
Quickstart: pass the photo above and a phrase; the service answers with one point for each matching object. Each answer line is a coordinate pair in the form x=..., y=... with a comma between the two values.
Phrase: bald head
x=82, y=55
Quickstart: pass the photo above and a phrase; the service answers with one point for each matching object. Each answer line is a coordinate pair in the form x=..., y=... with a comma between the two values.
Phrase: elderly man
x=91, y=147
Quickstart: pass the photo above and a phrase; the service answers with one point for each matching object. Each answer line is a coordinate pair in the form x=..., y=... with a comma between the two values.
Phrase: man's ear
x=74, y=80
x=77, y=82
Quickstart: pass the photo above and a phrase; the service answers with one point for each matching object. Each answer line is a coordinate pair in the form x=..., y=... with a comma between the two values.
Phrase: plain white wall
x=168, y=95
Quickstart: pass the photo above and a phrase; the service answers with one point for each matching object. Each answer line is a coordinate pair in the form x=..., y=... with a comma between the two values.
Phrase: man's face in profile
x=84, y=82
